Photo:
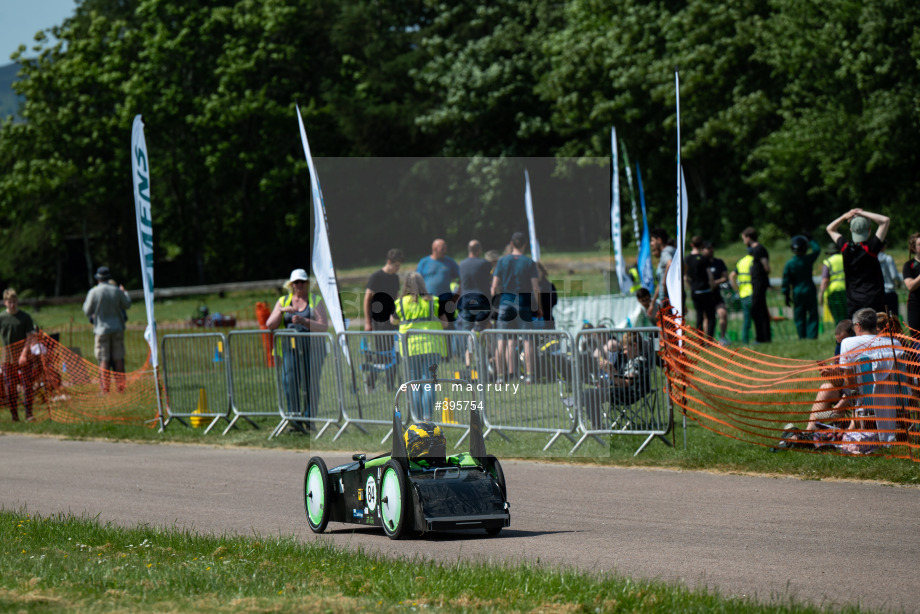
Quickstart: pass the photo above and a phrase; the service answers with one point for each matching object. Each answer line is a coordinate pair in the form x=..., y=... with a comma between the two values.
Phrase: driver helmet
x=799, y=244
x=424, y=441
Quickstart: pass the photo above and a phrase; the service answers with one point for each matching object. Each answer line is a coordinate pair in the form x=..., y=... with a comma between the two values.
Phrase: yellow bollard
x=447, y=414
x=201, y=409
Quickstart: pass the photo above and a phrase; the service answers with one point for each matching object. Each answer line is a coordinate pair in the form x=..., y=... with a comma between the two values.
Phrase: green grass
x=67, y=564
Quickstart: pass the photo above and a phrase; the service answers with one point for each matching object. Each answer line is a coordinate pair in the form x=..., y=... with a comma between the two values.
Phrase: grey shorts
x=110, y=346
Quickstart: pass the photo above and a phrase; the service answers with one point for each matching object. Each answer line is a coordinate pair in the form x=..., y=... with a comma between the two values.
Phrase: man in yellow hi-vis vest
x=417, y=310
x=301, y=311
x=833, y=290
x=740, y=279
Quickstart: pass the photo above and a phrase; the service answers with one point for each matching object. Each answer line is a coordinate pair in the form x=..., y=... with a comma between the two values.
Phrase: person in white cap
x=304, y=312
x=862, y=271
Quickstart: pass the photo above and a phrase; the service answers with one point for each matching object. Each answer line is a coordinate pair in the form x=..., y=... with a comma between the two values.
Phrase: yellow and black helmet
x=425, y=440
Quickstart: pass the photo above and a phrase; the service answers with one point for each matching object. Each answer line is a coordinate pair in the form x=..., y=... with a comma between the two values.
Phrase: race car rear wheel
x=495, y=470
x=316, y=493
x=394, y=500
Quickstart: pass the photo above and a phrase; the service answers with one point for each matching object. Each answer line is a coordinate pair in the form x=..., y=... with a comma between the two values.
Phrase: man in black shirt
x=861, y=268
x=760, y=282
x=379, y=305
x=381, y=293
x=700, y=281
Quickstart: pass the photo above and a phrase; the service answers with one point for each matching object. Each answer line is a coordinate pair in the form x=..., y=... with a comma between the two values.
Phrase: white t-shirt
x=885, y=399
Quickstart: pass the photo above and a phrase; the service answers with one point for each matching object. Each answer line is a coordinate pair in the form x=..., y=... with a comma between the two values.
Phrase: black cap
x=103, y=273
x=518, y=238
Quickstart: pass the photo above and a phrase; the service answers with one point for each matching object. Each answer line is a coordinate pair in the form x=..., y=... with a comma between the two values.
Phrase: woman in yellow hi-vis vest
x=417, y=310
x=303, y=312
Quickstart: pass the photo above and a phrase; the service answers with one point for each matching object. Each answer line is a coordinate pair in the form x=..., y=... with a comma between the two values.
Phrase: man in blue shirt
x=516, y=289
x=439, y=270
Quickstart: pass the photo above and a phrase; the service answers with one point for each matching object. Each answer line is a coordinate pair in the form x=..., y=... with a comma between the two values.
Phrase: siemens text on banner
x=528, y=205
x=140, y=171
x=323, y=270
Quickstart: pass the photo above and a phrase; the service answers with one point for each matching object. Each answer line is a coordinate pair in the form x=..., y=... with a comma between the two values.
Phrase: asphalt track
x=820, y=542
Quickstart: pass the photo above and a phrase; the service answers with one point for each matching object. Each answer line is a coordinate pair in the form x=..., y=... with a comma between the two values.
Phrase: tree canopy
x=791, y=113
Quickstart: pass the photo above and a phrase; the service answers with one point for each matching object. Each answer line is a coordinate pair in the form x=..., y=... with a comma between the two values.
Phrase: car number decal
x=370, y=491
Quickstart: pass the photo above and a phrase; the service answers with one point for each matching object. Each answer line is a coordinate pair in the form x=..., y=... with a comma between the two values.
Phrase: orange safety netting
x=871, y=406
x=58, y=384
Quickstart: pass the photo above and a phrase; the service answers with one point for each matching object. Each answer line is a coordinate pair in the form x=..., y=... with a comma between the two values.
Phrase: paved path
x=824, y=542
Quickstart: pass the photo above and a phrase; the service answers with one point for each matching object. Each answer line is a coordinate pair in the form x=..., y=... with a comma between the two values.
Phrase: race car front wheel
x=316, y=494
x=394, y=499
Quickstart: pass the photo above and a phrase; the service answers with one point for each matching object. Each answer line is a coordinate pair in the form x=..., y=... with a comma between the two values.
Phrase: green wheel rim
x=315, y=495
x=391, y=500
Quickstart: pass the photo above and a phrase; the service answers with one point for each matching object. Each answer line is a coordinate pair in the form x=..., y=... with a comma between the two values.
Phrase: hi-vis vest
x=421, y=315
x=312, y=302
x=835, y=271
x=636, y=279
x=745, y=287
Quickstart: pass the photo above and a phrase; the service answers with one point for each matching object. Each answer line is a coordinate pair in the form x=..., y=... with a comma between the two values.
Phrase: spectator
x=882, y=351
x=15, y=327
x=438, y=271
x=865, y=284
x=911, y=274
x=699, y=278
x=891, y=280
x=516, y=289
x=105, y=307
x=833, y=399
x=475, y=305
x=649, y=307
x=417, y=310
x=760, y=283
x=301, y=311
x=799, y=288
x=719, y=273
x=548, y=296
x=633, y=380
x=740, y=280
x=379, y=304
x=663, y=250
x=381, y=292
x=833, y=290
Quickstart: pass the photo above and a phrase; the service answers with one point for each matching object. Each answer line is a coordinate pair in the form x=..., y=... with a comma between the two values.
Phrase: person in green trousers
x=799, y=288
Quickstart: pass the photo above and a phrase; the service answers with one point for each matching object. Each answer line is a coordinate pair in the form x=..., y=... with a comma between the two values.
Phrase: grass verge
x=66, y=564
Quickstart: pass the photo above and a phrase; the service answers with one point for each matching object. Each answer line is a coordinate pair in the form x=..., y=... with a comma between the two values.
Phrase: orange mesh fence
x=43, y=378
x=870, y=405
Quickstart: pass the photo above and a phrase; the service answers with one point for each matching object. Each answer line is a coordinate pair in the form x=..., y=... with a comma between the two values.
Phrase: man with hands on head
x=863, y=273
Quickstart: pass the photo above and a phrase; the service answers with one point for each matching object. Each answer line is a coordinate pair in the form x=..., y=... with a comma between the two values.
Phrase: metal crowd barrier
x=310, y=382
x=457, y=344
x=607, y=405
x=524, y=381
x=196, y=378
x=371, y=378
x=253, y=379
x=523, y=372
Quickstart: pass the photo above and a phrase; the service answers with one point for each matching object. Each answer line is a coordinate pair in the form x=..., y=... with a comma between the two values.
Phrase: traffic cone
x=201, y=409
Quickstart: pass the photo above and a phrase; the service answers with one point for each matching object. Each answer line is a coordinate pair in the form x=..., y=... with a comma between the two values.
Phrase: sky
x=21, y=19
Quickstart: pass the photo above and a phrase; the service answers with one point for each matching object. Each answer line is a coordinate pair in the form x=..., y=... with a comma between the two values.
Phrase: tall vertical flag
x=632, y=192
x=323, y=271
x=528, y=204
x=616, y=233
x=646, y=274
x=675, y=284
x=140, y=171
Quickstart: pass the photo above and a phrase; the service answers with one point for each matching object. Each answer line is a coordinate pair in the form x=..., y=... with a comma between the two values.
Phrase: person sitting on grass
x=833, y=400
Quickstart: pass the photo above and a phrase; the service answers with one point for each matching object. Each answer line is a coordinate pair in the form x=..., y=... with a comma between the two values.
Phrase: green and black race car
x=416, y=487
